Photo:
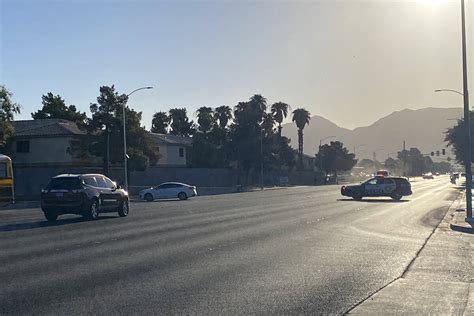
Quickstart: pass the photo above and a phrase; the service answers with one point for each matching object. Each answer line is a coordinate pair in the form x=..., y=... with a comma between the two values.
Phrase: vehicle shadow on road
x=159, y=201
x=374, y=201
x=44, y=223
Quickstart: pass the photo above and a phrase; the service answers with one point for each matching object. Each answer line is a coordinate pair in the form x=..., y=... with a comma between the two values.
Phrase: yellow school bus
x=7, y=190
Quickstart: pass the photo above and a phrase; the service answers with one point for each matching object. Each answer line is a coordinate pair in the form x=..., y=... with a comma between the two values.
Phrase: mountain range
x=422, y=128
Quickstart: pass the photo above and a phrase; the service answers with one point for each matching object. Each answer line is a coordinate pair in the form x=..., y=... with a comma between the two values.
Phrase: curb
x=458, y=222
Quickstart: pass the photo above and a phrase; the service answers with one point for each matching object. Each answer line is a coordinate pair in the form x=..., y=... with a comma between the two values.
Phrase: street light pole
x=125, y=136
x=466, y=120
x=261, y=157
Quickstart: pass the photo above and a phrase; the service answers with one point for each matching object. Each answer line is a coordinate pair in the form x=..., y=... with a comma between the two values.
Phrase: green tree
x=8, y=109
x=391, y=164
x=180, y=124
x=160, y=123
x=456, y=137
x=105, y=133
x=334, y=157
x=414, y=161
x=279, y=112
x=55, y=108
x=301, y=117
x=205, y=119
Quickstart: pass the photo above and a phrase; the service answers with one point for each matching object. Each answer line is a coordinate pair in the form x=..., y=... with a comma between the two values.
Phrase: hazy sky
x=350, y=61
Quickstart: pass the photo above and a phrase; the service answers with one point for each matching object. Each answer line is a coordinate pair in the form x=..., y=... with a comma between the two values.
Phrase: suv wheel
x=149, y=197
x=397, y=196
x=357, y=197
x=124, y=208
x=182, y=196
x=51, y=216
x=93, y=212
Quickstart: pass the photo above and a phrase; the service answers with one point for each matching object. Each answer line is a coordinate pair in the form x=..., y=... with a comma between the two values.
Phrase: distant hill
x=423, y=128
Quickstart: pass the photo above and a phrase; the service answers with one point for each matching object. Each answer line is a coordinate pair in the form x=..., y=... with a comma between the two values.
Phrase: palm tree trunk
x=300, y=146
x=279, y=130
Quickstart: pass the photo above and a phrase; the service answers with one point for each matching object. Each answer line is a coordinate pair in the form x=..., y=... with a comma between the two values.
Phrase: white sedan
x=168, y=190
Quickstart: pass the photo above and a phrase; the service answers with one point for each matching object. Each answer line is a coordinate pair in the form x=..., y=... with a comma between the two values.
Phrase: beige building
x=44, y=142
x=173, y=149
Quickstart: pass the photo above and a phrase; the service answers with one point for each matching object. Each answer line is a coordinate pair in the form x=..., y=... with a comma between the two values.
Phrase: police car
x=394, y=187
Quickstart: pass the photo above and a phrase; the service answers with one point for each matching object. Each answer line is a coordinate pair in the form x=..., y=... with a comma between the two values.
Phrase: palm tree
x=279, y=112
x=268, y=123
x=259, y=103
x=205, y=118
x=301, y=117
x=223, y=114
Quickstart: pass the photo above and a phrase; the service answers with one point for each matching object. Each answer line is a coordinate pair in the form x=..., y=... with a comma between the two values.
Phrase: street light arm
x=449, y=90
x=142, y=88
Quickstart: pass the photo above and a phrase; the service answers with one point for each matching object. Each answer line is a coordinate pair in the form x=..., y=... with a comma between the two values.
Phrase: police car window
x=372, y=182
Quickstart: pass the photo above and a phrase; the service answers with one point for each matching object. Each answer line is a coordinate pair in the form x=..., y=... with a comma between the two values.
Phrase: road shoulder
x=439, y=280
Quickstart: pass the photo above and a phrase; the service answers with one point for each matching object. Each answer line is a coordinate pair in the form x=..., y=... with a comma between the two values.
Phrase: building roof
x=172, y=139
x=46, y=127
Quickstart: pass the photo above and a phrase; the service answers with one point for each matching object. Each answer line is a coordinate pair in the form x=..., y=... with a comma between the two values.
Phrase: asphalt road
x=295, y=250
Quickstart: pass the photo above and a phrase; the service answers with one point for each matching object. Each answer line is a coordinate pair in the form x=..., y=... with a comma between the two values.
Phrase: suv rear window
x=64, y=184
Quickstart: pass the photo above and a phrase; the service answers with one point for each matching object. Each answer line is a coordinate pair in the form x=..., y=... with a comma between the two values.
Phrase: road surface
x=296, y=250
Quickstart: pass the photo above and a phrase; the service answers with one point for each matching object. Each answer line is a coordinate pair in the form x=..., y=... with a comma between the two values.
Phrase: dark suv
x=83, y=194
x=394, y=187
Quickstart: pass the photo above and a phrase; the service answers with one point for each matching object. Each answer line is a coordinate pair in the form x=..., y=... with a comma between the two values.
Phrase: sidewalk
x=441, y=278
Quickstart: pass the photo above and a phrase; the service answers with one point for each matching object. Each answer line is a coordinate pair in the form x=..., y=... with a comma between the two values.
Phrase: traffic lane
x=200, y=211
x=163, y=225
x=140, y=261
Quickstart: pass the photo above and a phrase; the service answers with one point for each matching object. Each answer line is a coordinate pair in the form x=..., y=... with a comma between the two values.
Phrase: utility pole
x=467, y=158
x=374, y=159
x=404, y=160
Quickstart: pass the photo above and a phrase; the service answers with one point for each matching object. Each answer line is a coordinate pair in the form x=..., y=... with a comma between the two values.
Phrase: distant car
x=83, y=194
x=168, y=190
x=428, y=175
x=394, y=187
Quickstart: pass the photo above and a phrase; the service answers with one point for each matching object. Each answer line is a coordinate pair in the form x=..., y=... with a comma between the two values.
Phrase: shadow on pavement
x=462, y=229
x=45, y=223
x=160, y=200
x=374, y=200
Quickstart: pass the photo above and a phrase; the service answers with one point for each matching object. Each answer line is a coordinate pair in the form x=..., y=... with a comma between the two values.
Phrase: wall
x=29, y=180
x=44, y=150
x=200, y=177
x=170, y=155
